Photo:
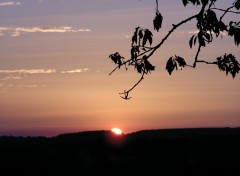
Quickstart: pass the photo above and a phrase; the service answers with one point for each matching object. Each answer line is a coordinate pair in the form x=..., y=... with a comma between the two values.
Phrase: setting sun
x=117, y=131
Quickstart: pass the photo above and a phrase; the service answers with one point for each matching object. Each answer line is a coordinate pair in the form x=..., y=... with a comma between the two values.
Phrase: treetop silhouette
x=209, y=25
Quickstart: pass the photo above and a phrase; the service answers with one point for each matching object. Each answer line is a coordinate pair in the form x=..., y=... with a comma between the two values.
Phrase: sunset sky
x=54, y=69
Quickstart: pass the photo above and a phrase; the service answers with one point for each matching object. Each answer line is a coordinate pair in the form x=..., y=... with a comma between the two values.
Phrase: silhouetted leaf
x=157, y=22
x=139, y=67
x=171, y=65
x=222, y=26
x=194, y=2
x=185, y=2
x=134, y=53
x=117, y=58
x=229, y=64
x=140, y=34
x=201, y=39
x=234, y=31
x=181, y=61
x=237, y=36
x=148, y=66
x=191, y=41
x=135, y=36
x=237, y=4
x=207, y=36
x=147, y=37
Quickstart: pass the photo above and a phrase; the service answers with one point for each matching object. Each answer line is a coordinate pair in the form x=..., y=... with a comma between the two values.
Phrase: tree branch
x=170, y=32
x=196, y=57
x=206, y=62
x=225, y=11
x=126, y=93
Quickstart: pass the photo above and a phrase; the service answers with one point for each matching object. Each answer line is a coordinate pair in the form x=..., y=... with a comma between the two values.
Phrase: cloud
x=76, y=71
x=197, y=31
x=17, y=31
x=9, y=3
x=11, y=78
x=31, y=86
x=29, y=71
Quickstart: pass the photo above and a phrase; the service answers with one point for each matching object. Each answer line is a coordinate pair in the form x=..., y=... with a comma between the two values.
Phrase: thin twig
x=126, y=93
x=225, y=11
x=197, y=54
x=206, y=62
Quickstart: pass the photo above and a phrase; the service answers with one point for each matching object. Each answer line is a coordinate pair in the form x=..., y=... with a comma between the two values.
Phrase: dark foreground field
x=153, y=152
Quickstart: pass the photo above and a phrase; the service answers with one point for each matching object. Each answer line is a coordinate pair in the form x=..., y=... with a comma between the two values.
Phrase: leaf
x=148, y=66
x=237, y=4
x=147, y=37
x=181, y=61
x=117, y=58
x=207, y=36
x=222, y=26
x=229, y=64
x=171, y=65
x=231, y=31
x=235, y=32
x=139, y=67
x=135, y=36
x=237, y=36
x=191, y=41
x=197, y=2
x=185, y=2
x=140, y=34
x=157, y=22
x=201, y=40
x=195, y=40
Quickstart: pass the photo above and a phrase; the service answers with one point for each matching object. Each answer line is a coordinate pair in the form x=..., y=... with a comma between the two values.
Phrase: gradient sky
x=54, y=70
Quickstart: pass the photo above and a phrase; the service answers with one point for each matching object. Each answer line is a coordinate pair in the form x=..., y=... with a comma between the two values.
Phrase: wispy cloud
x=17, y=31
x=31, y=86
x=75, y=71
x=29, y=71
x=197, y=31
x=15, y=79
x=9, y=3
x=11, y=78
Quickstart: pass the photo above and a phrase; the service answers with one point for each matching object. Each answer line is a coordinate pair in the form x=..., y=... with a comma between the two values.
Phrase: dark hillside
x=214, y=151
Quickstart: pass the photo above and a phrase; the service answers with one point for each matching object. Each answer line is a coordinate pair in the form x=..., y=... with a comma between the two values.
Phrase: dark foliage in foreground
x=163, y=152
x=210, y=23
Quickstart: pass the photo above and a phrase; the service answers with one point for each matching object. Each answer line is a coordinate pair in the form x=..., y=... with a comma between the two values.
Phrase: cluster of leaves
x=229, y=64
x=207, y=24
x=237, y=4
x=141, y=36
x=234, y=30
x=117, y=59
x=157, y=22
x=175, y=62
x=144, y=66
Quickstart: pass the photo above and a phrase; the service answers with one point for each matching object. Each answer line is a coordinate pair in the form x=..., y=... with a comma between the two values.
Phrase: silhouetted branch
x=225, y=11
x=206, y=62
x=126, y=93
x=196, y=57
x=208, y=23
x=170, y=32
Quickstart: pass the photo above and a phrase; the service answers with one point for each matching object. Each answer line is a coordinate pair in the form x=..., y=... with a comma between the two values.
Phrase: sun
x=117, y=131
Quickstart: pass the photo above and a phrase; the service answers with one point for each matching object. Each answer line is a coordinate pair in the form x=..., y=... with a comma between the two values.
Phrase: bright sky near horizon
x=54, y=70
